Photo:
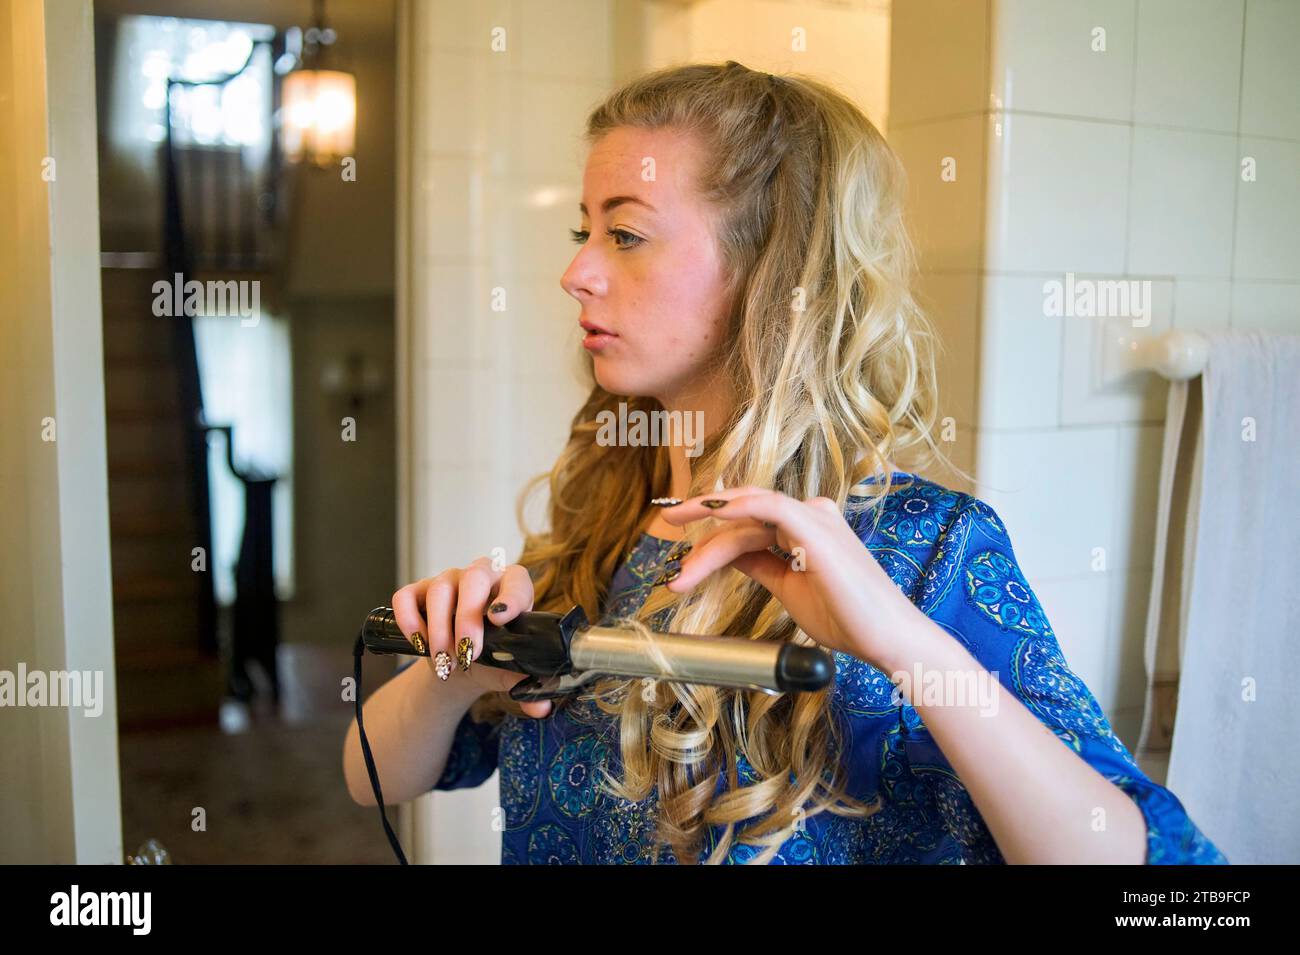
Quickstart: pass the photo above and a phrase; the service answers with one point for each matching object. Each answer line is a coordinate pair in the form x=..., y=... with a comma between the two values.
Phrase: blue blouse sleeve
x=972, y=588
x=473, y=755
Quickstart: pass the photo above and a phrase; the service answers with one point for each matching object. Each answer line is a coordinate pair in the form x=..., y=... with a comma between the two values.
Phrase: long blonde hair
x=832, y=366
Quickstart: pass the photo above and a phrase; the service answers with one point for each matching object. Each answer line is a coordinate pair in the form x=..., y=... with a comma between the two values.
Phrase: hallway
x=272, y=794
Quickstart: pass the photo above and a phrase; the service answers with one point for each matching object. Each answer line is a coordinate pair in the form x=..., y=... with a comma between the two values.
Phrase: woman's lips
x=596, y=341
x=597, y=338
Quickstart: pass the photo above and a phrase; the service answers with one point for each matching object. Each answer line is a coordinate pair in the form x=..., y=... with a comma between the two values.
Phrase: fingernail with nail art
x=442, y=664
x=679, y=550
x=465, y=652
x=670, y=575
x=665, y=501
x=713, y=503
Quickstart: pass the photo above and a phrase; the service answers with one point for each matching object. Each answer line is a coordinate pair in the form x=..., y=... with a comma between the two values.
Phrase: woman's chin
x=609, y=378
x=619, y=376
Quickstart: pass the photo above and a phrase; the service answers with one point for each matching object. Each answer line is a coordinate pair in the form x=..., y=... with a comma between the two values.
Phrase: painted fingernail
x=679, y=550
x=669, y=576
x=417, y=641
x=769, y=525
x=713, y=503
x=465, y=652
x=497, y=607
x=665, y=501
x=442, y=664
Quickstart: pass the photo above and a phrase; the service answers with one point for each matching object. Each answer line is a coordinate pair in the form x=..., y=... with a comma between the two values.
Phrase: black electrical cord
x=357, y=653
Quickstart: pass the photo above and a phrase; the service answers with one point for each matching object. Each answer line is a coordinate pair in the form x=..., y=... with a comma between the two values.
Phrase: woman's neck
x=701, y=414
x=700, y=419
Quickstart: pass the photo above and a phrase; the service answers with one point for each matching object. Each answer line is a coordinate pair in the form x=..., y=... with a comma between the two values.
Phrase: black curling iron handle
x=534, y=642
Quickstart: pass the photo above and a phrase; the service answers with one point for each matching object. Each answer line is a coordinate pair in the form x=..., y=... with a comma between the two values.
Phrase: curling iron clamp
x=562, y=653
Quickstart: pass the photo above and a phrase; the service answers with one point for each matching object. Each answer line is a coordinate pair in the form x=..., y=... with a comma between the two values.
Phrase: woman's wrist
x=429, y=697
x=912, y=639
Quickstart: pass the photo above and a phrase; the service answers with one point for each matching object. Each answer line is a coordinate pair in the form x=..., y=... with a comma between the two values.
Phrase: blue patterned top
x=951, y=555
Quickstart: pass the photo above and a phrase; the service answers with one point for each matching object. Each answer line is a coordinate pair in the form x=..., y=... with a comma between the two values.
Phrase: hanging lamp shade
x=320, y=116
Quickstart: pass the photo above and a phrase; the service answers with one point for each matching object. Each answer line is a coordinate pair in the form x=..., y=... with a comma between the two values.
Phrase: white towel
x=1223, y=628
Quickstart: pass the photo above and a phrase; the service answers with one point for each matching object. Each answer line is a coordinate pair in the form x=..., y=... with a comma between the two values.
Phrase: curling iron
x=560, y=653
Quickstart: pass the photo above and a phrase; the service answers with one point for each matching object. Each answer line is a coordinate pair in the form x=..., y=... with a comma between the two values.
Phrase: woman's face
x=648, y=270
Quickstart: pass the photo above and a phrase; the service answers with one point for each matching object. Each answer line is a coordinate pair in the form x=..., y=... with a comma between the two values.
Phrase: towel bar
x=1177, y=355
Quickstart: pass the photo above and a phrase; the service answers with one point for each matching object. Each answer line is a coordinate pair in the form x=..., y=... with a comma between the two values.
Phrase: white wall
x=1116, y=164
x=60, y=800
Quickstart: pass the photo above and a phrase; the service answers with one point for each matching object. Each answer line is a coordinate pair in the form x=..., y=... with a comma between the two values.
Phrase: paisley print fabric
x=950, y=553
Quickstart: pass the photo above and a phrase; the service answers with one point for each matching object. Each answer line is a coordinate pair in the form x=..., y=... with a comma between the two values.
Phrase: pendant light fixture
x=318, y=101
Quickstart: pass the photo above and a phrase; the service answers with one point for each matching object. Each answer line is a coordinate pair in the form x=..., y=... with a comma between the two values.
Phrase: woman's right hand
x=451, y=606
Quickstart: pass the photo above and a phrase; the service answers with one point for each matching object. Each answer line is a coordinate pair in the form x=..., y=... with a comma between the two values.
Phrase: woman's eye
x=629, y=240
x=632, y=240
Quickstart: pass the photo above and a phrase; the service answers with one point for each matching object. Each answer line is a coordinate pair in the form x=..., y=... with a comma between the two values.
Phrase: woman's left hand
x=832, y=586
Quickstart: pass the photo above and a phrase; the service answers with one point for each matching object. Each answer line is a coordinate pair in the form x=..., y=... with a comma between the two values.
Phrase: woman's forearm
x=410, y=723
x=1041, y=802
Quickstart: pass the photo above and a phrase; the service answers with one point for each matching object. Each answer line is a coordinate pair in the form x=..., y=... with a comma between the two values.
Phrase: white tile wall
x=496, y=162
x=1057, y=194
x=1122, y=164
x=457, y=317
x=1188, y=70
x=1047, y=57
x=463, y=26
x=1055, y=491
x=1126, y=669
x=1137, y=480
x=1020, y=352
x=1266, y=305
x=1268, y=212
x=1076, y=609
x=1270, y=73
x=1200, y=303
x=474, y=114
x=1180, y=205
x=446, y=190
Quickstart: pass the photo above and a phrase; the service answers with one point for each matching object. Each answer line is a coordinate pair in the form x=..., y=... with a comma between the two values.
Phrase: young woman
x=743, y=261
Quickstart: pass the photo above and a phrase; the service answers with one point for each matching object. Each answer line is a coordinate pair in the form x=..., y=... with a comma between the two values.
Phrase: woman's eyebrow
x=615, y=201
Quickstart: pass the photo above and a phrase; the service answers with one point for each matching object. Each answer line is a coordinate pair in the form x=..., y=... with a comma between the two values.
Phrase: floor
x=270, y=786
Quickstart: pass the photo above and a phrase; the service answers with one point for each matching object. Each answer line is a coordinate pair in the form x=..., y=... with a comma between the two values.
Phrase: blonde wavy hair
x=827, y=395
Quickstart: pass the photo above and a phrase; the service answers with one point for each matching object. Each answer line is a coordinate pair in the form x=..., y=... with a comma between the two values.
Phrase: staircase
x=163, y=675
x=220, y=221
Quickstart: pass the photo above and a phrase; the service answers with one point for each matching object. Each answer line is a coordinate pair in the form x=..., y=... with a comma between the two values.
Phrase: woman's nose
x=583, y=276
